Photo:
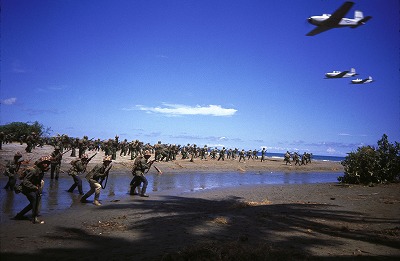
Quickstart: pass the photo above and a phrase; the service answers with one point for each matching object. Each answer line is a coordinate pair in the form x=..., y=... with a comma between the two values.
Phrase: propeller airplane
x=327, y=21
x=339, y=74
x=361, y=81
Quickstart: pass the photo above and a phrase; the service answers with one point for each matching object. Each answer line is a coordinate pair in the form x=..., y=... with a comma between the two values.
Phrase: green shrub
x=373, y=165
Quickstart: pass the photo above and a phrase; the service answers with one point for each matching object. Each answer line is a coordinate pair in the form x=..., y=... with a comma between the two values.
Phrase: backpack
x=136, y=163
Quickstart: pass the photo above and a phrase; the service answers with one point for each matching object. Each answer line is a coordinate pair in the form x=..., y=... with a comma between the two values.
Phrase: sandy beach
x=295, y=221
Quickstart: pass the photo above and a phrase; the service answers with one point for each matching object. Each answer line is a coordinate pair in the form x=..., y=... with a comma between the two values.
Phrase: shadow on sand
x=148, y=229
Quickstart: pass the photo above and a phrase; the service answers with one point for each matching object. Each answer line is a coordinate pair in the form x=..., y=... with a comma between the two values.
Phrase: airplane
x=336, y=20
x=361, y=81
x=339, y=74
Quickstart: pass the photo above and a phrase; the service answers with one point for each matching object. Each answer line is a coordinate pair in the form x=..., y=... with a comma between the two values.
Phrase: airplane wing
x=341, y=74
x=335, y=18
x=318, y=30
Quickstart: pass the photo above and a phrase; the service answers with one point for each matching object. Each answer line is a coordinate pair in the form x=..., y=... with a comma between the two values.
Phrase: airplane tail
x=358, y=15
x=352, y=70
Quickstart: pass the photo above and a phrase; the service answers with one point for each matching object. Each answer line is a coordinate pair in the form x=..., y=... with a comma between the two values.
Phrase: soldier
x=30, y=142
x=124, y=148
x=114, y=147
x=1, y=140
x=93, y=177
x=56, y=157
x=242, y=155
x=229, y=154
x=263, y=152
x=235, y=153
x=222, y=154
x=32, y=186
x=249, y=154
x=287, y=158
x=203, y=152
x=11, y=171
x=255, y=154
x=78, y=166
x=296, y=159
x=193, y=152
x=140, y=165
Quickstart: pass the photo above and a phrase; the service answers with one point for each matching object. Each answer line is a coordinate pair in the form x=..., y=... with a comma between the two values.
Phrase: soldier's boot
x=143, y=193
x=133, y=191
x=96, y=202
x=35, y=220
x=83, y=199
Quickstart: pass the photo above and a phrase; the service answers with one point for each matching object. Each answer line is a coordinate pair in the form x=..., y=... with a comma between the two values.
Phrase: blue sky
x=230, y=73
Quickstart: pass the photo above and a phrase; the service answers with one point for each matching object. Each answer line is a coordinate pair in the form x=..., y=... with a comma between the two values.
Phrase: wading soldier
x=11, y=171
x=100, y=171
x=140, y=166
x=56, y=157
x=32, y=186
x=78, y=166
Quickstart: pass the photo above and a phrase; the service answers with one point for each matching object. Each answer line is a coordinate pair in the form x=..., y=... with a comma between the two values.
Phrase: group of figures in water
x=31, y=177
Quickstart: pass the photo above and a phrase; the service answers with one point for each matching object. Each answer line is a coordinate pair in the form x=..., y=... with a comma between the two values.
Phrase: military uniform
x=32, y=186
x=139, y=167
x=56, y=157
x=11, y=171
x=242, y=155
x=222, y=154
x=263, y=154
x=100, y=171
x=78, y=166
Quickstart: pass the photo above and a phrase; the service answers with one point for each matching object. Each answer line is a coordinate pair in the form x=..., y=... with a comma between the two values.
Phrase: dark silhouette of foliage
x=19, y=130
x=373, y=165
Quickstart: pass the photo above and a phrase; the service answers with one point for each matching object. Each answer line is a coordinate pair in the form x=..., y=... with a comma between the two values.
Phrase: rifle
x=106, y=177
x=150, y=163
x=89, y=159
x=65, y=151
x=158, y=170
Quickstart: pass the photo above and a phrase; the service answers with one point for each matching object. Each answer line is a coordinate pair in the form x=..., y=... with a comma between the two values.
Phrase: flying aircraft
x=339, y=74
x=326, y=21
x=361, y=81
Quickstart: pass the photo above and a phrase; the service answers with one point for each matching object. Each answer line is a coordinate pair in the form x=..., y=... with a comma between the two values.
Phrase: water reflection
x=56, y=197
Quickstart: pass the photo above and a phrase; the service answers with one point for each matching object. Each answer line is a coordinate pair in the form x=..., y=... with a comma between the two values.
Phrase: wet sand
x=307, y=221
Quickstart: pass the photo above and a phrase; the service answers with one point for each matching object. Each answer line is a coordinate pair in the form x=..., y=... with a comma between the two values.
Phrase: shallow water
x=56, y=197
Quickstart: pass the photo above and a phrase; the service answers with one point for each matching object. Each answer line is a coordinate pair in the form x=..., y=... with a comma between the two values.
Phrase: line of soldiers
x=303, y=160
x=163, y=152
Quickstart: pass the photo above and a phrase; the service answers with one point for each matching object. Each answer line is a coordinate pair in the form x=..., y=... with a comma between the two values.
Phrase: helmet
x=107, y=159
x=18, y=155
x=43, y=160
x=147, y=153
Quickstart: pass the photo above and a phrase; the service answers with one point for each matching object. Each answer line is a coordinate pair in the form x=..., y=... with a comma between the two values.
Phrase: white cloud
x=9, y=101
x=180, y=109
x=330, y=150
